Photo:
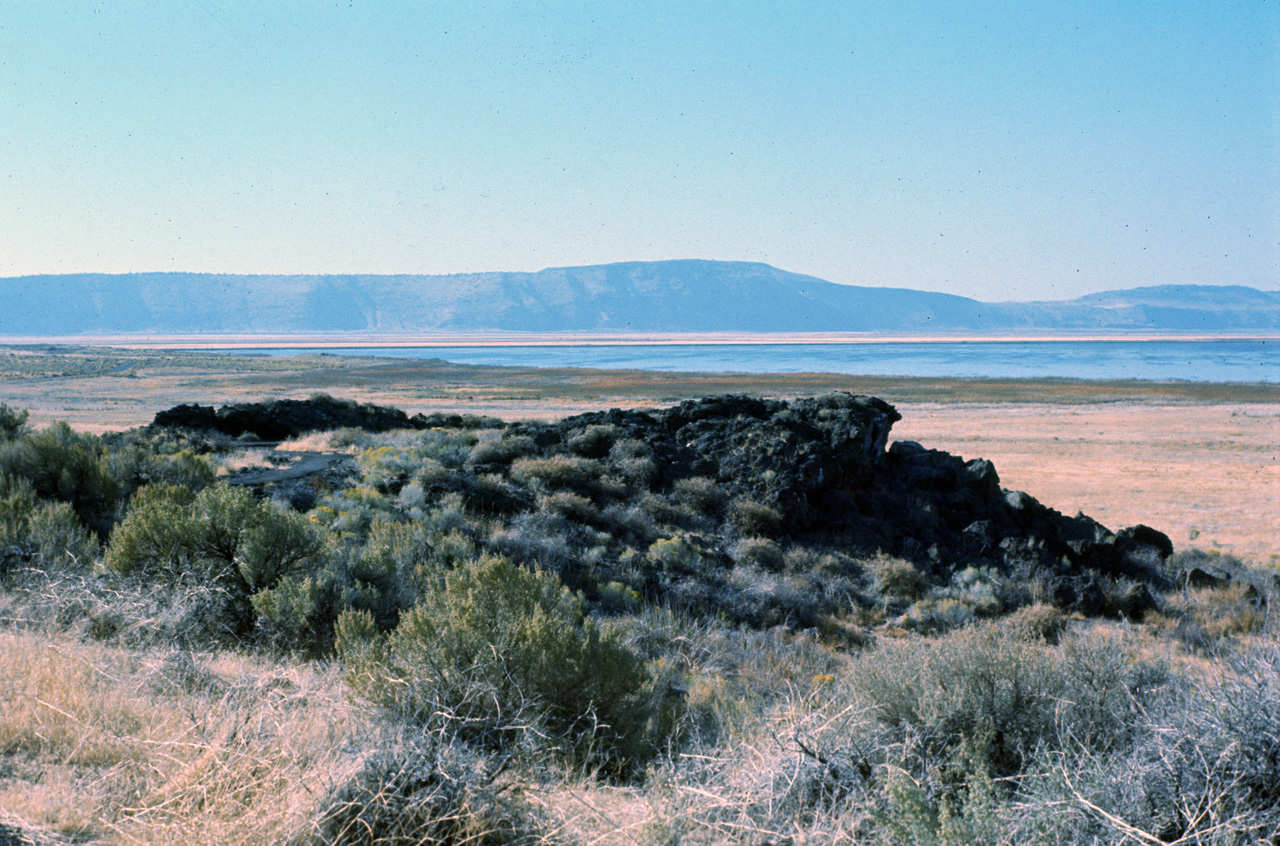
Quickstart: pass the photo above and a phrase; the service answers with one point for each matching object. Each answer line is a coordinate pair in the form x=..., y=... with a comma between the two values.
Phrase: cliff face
x=660, y=296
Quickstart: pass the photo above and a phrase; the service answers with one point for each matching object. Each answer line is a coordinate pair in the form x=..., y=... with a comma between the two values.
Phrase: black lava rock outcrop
x=817, y=473
x=279, y=420
x=822, y=465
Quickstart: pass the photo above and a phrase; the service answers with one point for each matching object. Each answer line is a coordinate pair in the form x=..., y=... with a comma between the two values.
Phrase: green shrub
x=136, y=466
x=17, y=502
x=219, y=537
x=704, y=495
x=298, y=614
x=157, y=537
x=399, y=456
x=40, y=534
x=351, y=511
x=13, y=423
x=379, y=579
x=63, y=465
x=752, y=519
x=275, y=544
x=499, y=654
x=898, y=578
x=60, y=538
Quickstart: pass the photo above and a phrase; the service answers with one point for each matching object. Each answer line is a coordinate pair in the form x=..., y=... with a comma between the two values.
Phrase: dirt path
x=302, y=464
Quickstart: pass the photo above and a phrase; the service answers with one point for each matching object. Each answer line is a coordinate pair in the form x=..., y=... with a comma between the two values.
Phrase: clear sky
x=1019, y=150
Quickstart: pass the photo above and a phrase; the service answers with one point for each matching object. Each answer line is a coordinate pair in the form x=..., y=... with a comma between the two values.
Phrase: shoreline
x=215, y=341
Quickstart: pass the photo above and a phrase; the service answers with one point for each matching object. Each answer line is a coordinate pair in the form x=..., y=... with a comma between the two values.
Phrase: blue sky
x=996, y=150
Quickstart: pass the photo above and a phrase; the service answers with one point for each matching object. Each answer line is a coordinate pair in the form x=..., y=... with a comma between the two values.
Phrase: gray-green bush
x=220, y=537
x=501, y=655
x=65, y=465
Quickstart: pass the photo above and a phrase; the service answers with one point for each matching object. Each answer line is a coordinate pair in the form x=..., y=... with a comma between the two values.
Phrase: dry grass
x=243, y=459
x=166, y=747
x=1206, y=475
x=112, y=745
x=319, y=442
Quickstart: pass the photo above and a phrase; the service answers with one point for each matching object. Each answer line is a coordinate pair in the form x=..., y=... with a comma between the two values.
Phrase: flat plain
x=1199, y=461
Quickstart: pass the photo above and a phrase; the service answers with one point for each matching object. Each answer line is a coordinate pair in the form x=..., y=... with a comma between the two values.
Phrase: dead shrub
x=1037, y=622
x=1232, y=609
x=502, y=450
x=560, y=471
x=425, y=792
x=638, y=471
x=594, y=441
x=665, y=512
x=570, y=506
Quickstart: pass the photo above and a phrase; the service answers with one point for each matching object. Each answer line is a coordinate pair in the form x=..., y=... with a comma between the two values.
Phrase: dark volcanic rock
x=786, y=456
x=823, y=466
x=818, y=472
x=281, y=419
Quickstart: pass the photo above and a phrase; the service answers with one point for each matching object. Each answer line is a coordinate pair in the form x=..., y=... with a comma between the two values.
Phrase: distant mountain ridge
x=666, y=296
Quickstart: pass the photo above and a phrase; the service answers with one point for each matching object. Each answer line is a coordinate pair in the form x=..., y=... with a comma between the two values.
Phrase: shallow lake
x=1204, y=361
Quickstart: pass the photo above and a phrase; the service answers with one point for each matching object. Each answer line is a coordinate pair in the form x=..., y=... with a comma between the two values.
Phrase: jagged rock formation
x=822, y=464
x=281, y=419
x=821, y=467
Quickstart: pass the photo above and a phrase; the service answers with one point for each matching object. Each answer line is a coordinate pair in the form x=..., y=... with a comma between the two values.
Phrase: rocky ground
x=820, y=472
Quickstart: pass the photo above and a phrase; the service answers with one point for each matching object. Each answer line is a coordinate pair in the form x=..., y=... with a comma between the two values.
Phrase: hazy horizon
x=985, y=150
x=576, y=267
